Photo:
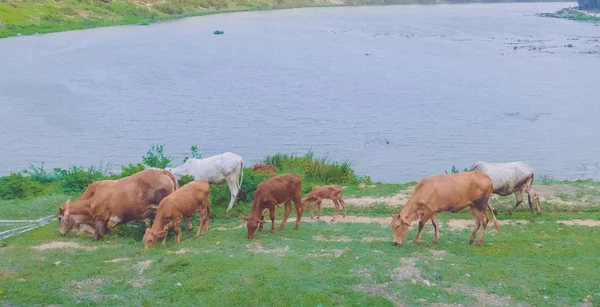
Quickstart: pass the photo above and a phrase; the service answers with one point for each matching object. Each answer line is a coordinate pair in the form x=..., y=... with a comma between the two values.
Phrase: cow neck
x=256, y=208
x=409, y=211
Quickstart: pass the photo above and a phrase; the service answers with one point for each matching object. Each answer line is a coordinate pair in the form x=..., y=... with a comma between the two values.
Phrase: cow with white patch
x=108, y=203
x=226, y=167
x=509, y=178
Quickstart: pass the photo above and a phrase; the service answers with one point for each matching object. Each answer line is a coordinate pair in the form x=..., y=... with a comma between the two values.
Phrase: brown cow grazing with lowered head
x=316, y=196
x=183, y=203
x=450, y=192
x=271, y=192
x=264, y=168
x=108, y=203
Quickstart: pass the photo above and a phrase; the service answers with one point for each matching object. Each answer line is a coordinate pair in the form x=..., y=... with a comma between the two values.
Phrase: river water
x=401, y=92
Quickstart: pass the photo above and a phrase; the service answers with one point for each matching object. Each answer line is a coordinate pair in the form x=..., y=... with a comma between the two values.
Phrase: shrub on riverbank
x=572, y=14
x=36, y=181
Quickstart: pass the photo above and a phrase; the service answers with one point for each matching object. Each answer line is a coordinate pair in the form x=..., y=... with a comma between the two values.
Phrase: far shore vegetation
x=573, y=14
x=46, y=16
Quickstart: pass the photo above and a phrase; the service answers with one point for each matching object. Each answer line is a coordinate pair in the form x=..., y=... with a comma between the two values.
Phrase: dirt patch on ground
x=64, y=245
x=481, y=297
x=88, y=289
x=232, y=228
x=589, y=223
x=141, y=267
x=337, y=239
x=336, y=253
x=396, y=200
x=384, y=221
x=373, y=239
x=436, y=252
x=568, y=195
x=258, y=248
x=117, y=260
x=457, y=225
x=88, y=283
x=179, y=252
x=407, y=271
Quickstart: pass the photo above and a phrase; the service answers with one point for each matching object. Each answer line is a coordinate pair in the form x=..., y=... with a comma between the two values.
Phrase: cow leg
x=475, y=213
x=298, y=205
x=319, y=202
x=519, y=200
x=424, y=218
x=343, y=206
x=234, y=189
x=434, y=221
x=177, y=231
x=532, y=194
x=288, y=210
x=203, y=224
x=100, y=229
x=312, y=207
x=164, y=240
x=188, y=223
x=336, y=208
x=484, y=222
x=272, y=216
x=262, y=217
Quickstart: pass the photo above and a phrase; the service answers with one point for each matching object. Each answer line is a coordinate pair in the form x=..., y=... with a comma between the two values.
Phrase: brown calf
x=264, y=168
x=270, y=193
x=183, y=203
x=108, y=203
x=451, y=192
x=316, y=196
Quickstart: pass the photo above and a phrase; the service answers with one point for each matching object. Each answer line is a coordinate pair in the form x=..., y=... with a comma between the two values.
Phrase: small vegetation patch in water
x=572, y=14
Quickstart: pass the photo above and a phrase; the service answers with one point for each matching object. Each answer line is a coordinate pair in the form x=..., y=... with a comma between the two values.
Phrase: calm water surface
x=402, y=92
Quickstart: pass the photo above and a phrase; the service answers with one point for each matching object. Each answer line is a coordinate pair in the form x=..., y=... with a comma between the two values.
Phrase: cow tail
x=174, y=179
x=529, y=196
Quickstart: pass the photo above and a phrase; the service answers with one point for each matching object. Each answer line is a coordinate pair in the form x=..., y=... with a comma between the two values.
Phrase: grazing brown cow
x=183, y=203
x=451, y=192
x=270, y=193
x=108, y=203
x=316, y=196
x=264, y=168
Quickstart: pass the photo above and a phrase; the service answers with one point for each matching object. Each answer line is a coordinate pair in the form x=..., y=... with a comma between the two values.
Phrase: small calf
x=264, y=168
x=316, y=196
x=270, y=193
x=183, y=203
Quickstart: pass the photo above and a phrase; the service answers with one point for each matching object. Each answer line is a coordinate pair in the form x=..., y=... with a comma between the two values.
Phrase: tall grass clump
x=321, y=170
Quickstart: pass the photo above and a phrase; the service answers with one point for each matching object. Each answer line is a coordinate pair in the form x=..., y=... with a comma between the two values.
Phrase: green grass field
x=533, y=260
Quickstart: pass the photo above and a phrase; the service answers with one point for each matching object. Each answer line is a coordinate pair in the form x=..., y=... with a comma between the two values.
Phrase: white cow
x=509, y=178
x=227, y=167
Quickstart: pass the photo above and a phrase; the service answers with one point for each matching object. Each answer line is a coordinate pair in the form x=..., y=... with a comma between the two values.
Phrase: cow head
x=65, y=221
x=399, y=227
x=305, y=202
x=252, y=224
x=151, y=237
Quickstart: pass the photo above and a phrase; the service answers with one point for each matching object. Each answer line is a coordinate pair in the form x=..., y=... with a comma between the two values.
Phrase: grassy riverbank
x=45, y=16
x=535, y=260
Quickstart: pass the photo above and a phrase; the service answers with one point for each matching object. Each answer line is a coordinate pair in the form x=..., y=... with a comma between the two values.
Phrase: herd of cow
x=155, y=197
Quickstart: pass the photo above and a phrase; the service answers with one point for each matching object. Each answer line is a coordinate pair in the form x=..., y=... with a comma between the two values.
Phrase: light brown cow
x=451, y=192
x=316, y=196
x=264, y=168
x=183, y=203
x=270, y=193
x=108, y=203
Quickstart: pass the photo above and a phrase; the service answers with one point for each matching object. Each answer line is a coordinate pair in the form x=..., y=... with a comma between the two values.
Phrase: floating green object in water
x=218, y=32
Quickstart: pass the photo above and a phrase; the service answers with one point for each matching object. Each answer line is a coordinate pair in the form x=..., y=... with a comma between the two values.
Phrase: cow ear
x=68, y=201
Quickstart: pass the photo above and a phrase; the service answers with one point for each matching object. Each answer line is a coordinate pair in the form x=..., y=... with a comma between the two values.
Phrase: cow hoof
x=260, y=230
x=417, y=241
x=318, y=217
x=477, y=243
x=509, y=212
x=539, y=213
x=296, y=228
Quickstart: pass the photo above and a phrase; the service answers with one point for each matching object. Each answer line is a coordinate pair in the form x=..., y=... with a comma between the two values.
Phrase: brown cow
x=270, y=193
x=450, y=192
x=264, y=168
x=316, y=196
x=108, y=203
x=183, y=203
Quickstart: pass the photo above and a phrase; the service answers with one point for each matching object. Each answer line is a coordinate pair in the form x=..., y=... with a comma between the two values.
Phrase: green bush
x=18, y=186
x=38, y=174
x=76, y=179
x=131, y=169
x=195, y=154
x=185, y=179
x=320, y=170
x=155, y=157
